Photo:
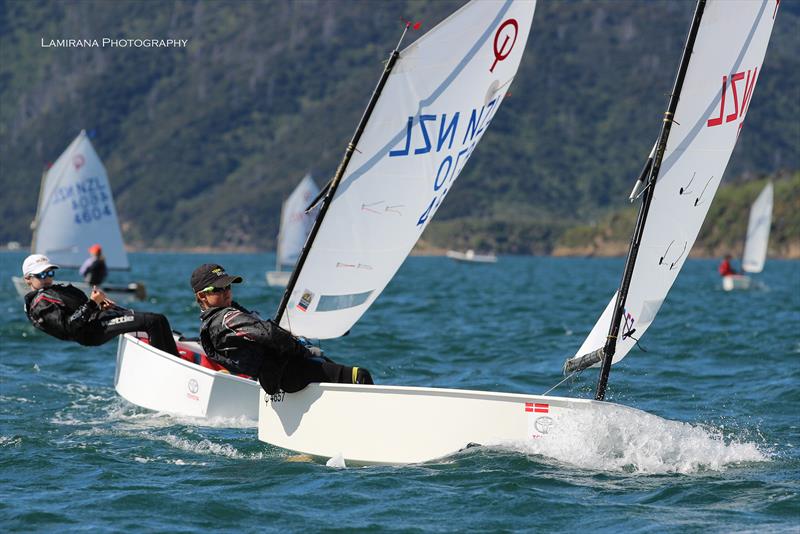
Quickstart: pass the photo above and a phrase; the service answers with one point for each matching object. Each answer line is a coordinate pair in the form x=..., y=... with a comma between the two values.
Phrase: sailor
x=64, y=311
x=725, y=268
x=94, y=270
x=243, y=343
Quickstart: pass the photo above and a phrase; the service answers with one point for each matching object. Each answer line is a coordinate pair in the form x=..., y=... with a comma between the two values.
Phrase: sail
x=295, y=222
x=755, y=246
x=722, y=73
x=435, y=107
x=76, y=210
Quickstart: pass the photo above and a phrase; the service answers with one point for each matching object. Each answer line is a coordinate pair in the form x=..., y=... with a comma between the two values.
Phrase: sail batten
x=728, y=52
x=434, y=108
x=76, y=210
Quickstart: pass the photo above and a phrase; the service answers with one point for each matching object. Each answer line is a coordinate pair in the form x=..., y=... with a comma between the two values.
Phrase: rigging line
x=573, y=373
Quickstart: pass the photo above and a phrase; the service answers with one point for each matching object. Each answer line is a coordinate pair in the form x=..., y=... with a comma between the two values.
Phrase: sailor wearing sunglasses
x=244, y=343
x=65, y=312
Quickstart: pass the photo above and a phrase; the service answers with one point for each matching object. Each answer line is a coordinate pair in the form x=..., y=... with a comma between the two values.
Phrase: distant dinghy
x=471, y=257
x=393, y=179
x=76, y=210
x=756, y=242
x=295, y=225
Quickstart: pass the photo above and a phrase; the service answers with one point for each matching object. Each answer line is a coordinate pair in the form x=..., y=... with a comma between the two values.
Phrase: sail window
x=341, y=302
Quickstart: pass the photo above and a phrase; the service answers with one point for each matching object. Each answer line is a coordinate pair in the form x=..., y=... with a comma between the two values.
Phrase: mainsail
x=435, y=106
x=295, y=222
x=76, y=210
x=755, y=246
x=724, y=65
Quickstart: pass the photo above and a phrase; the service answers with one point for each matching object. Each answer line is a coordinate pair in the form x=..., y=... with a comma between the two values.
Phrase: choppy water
x=721, y=367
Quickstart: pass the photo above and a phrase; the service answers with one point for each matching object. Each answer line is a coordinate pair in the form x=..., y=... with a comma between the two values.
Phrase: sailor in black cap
x=243, y=343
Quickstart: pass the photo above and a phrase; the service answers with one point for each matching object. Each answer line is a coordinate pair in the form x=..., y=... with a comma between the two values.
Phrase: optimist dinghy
x=755, y=245
x=76, y=210
x=470, y=257
x=294, y=228
x=429, y=110
x=190, y=386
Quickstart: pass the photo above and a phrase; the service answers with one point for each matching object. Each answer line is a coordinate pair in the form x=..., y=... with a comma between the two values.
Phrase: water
x=722, y=368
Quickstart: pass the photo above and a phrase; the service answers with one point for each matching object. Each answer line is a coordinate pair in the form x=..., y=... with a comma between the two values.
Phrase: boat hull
x=735, y=281
x=278, y=278
x=120, y=293
x=158, y=381
x=401, y=425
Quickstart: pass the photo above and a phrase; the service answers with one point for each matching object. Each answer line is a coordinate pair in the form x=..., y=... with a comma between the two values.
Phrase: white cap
x=37, y=263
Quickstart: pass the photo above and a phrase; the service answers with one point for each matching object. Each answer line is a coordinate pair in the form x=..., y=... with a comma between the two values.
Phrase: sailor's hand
x=100, y=298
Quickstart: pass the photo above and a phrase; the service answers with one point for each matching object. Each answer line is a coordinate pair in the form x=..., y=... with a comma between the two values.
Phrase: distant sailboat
x=294, y=228
x=471, y=257
x=755, y=246
x=76, y=210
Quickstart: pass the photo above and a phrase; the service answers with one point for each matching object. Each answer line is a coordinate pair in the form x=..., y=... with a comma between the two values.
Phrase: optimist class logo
x=508, y=30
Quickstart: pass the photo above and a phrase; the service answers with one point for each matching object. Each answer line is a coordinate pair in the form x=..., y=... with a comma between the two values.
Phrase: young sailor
x=94, y=270
x=725, y=268
x=64, y=311
x=243, y=343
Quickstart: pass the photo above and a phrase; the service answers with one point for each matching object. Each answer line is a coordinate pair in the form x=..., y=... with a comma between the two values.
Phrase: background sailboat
x=76, y=210
x=294, y=228
x=351, y=254
x=471, y=257
x=756, y=242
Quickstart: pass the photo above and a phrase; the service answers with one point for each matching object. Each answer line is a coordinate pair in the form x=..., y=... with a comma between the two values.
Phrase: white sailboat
x=294, y=228
x=430, y=109
x=755, y=245
x=76, y=210
x=159, y=381
x=471, y=257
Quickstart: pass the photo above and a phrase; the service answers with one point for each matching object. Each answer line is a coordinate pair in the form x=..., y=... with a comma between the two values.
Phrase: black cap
x=211, y=275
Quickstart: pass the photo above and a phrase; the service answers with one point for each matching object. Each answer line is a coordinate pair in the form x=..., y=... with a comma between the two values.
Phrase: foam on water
x=637, y=442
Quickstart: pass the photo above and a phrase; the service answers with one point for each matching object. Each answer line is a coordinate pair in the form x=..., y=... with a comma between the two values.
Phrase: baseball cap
x=211, y=275
x=37, y=263
x=95, y=249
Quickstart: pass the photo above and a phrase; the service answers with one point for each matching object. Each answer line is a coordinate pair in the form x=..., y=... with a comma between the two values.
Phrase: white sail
x=295, y=222
x=76, y=210
x=438, y=101
x=724, y=68
x=755, y=246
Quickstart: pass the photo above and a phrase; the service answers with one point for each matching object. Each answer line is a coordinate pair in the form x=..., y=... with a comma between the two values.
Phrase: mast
x=280, y=238
x=647, y=197
x=35, y=221
x=330, y=189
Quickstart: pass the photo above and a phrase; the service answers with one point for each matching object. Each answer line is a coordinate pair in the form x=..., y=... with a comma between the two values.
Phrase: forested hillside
x=202, y=143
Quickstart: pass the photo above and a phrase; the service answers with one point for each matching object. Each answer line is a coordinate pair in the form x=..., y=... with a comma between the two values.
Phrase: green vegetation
x=202, y=143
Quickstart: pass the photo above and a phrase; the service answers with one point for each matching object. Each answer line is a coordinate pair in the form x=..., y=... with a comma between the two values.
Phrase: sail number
x=89, y=199
x=436, y=133
x=736, y=92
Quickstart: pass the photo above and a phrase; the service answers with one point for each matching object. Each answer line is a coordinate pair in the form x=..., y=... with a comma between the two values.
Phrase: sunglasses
x=46, y=274
x=211, y=289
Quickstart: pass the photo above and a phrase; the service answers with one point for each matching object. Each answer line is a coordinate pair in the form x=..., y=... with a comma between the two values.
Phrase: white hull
x=400, y=425
x=124, y=293
x=158, y=381
x=471, y=257
x=278, y=278
x=735, y=281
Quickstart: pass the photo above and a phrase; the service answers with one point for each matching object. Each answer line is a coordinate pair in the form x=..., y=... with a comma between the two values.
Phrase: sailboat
x=294, y=227
x=756, y=241
x=76, y=210
x=470, y=256
x=430, y=108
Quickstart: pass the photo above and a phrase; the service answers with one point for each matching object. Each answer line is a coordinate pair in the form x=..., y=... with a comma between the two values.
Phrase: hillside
x=202, y=143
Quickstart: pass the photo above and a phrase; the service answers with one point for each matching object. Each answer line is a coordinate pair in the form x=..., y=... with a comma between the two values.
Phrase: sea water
x=717, y=373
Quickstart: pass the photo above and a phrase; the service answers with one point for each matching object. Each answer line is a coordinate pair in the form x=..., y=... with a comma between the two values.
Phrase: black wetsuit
x=243, y=343
x=65, y=312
